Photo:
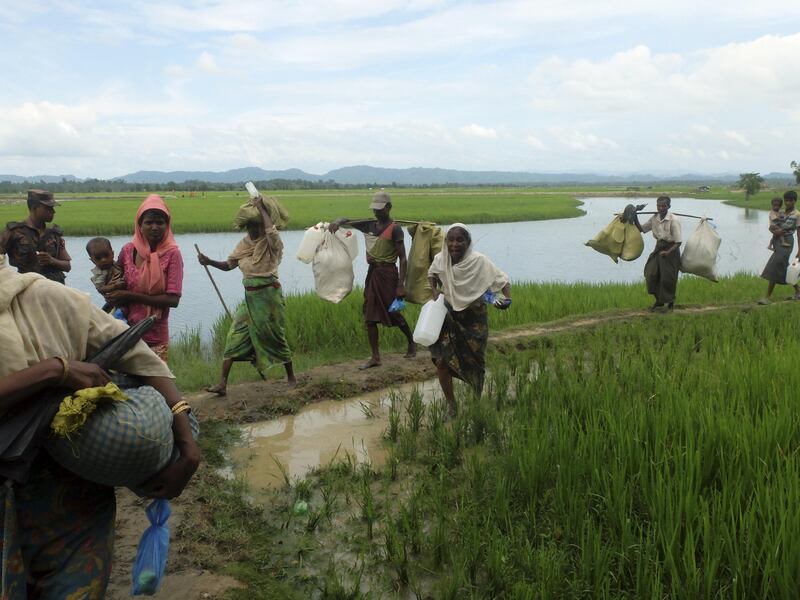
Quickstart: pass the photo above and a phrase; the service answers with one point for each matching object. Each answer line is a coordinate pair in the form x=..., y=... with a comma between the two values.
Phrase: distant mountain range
x=38, y=178
x=366, y=175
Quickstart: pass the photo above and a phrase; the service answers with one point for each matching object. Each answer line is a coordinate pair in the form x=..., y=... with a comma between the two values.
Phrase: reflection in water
x=751, y=214
x=319, y=434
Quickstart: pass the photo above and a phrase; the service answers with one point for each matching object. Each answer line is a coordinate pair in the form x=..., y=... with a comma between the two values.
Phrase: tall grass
x=650, y=459
x=319, y=332
x=641, y=461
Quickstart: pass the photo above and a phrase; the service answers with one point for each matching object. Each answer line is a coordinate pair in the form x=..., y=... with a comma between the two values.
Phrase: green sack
x=249, y=214
x=427, y=242
x=618, y=240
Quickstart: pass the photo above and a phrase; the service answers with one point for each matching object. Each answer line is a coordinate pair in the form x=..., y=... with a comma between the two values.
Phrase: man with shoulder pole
x=385, y=281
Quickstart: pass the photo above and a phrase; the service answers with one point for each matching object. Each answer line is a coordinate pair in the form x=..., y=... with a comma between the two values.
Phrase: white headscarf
x=467, y=280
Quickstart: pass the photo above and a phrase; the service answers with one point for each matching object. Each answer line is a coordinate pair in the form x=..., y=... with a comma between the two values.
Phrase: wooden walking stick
x=228, y=312
x=214, y=283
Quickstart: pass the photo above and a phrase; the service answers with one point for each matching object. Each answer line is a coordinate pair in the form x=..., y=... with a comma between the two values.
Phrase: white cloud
x=44, y=129
x=206, y=62
x=535, y=142
x=479, y=131
x=737, y=137
x=734, y=76
x=575, y=140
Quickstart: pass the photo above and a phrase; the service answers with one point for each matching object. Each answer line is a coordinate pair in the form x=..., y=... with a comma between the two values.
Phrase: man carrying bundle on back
x=384, y=283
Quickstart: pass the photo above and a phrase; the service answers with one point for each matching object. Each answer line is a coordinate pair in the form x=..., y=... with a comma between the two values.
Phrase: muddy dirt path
x=259, y=401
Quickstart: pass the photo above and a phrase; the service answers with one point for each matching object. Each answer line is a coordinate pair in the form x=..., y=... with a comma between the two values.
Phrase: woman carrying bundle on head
x=258, y=330
x=464, y=276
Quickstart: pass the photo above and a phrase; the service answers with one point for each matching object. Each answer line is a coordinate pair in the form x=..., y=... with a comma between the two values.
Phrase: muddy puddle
x=318, y=434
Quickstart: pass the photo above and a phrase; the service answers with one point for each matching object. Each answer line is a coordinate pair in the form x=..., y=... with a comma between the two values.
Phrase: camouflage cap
x=41, y=197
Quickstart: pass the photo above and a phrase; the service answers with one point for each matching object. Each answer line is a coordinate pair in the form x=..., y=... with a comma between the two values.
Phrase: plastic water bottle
x=251, y=189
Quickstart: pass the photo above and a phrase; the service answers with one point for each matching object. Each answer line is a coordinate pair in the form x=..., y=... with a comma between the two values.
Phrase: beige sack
x=618, y=240
x=249, y=214
x=427, y=241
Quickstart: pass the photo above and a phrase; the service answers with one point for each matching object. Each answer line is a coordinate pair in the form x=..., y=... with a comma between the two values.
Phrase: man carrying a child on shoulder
x=32, y=246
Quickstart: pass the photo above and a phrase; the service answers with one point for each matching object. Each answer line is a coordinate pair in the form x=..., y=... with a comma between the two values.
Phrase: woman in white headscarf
x=464, y=276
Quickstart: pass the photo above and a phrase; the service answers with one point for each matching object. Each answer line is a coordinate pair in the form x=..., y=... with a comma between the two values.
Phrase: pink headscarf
x=151, y=277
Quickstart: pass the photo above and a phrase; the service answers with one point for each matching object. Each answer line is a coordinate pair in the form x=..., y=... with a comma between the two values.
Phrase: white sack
x=350, y=240
x=333, y=269
x=699, y=256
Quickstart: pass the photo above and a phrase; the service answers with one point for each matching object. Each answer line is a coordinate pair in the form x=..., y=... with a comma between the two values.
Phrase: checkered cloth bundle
x=122, y=443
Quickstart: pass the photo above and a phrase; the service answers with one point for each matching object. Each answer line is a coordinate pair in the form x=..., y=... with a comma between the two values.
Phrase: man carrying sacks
x=384, y=283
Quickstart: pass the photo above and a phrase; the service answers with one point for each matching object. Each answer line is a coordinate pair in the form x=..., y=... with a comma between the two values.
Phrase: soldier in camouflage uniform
x=31, y=246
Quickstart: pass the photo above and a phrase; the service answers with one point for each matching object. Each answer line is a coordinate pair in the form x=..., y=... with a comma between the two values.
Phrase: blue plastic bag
x=151, y=557
x=489, y=297
x=119, y=314
x=397, y=305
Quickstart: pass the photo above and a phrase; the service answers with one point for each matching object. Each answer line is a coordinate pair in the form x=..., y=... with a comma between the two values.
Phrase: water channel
x=536, y=251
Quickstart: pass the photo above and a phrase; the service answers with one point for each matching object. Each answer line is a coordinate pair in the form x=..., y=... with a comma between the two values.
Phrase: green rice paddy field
x=654, y=458
x=112, y=214
x=214, y=211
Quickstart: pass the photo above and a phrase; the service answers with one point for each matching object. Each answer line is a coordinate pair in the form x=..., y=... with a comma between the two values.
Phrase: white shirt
x=667, y=229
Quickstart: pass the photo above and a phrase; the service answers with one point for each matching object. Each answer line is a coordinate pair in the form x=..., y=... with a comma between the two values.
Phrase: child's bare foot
x=291, y=383
x=411, y=352
x=219, y=389
x=372, y=362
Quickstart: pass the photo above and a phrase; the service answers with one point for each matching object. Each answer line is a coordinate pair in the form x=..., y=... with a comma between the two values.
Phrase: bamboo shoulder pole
x=653, y=212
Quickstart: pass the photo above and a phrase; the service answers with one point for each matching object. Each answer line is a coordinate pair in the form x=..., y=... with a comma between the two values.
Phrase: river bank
x=322, y=333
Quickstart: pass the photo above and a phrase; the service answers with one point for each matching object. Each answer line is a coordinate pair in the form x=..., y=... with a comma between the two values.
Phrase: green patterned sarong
x=259, y=325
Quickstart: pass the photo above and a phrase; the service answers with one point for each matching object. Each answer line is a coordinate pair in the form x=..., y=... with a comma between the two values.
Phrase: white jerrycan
x=431, y=319
x=311, y=239
x=793, y=273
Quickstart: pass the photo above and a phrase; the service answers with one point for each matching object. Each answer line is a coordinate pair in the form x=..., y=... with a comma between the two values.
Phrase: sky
x=101, y=89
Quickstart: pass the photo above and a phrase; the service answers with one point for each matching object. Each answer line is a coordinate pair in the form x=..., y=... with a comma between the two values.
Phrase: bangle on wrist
x=64, y=370
x=180, y=407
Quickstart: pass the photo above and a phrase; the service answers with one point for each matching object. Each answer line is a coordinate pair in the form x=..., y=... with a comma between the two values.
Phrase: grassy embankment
x=633, y=460
x=322, y=333
x=214, y=212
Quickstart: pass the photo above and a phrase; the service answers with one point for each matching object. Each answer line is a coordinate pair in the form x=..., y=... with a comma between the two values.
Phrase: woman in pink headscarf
x=153, y=268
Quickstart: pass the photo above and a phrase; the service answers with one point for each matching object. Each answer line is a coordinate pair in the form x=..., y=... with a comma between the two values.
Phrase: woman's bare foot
x=411, y=352
x=291, y=383
x=372, y=362
x=219, y=389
